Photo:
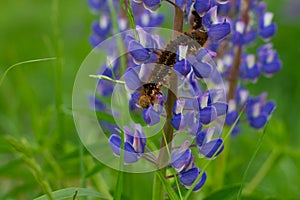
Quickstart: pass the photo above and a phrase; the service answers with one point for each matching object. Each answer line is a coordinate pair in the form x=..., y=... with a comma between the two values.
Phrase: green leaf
x=130, y=16
x=71, y=193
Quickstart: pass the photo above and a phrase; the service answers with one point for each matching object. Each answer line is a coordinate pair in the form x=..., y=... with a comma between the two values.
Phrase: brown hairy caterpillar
x=194, y=39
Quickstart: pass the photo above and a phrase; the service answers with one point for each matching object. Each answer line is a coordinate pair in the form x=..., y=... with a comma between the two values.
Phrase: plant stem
x=234, y=73
x=163, y=158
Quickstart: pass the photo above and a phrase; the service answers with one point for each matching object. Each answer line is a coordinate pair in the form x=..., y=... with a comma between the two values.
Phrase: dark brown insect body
x=194, y=39
x=149, y=94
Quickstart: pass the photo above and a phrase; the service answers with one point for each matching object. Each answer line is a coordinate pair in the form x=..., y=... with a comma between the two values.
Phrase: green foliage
x=40, y=153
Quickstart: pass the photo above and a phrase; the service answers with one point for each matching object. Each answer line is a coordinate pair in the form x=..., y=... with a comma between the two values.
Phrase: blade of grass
x=172, y=194
x=261, y=172
x=130, y=17
x=21, y=63
x=24, y=150
x=58, y=73
x=258, y=145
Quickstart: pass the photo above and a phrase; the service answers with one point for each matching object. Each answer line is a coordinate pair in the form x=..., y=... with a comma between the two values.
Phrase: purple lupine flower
x=207, y=146
x=134, y=144
x=103, y=27
x=182, y=160
x=249, y=69
x=258, y=111
x=178, y=121
x=212, y=148
x=232, y=114
x=197, y=109
x=218, y=31
x=268, y=60
x=187, y=178
x=183, y=163
x=267, y=29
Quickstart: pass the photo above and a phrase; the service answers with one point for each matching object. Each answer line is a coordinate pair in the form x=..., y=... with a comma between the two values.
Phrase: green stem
x=58, y=72
x=261, y=173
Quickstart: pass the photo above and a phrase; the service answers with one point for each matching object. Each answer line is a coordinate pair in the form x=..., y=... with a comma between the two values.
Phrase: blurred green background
x=39, y=146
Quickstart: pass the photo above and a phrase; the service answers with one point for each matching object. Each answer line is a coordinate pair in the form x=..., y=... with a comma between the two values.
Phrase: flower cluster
x=183, y=159
x=250, y=21
x=220, y=32
x=198, y=108
x=103, y=28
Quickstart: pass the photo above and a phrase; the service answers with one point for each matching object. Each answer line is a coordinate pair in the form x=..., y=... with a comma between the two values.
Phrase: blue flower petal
x=201, y=137
x=209, y=18
x=176, y=121
x=253, y=72
x=268, y=32
x=180, y=3
x=139, y=139
x=95, y=40
x=221, y=108
x=193, y=126
x=115, y=144
x=259, y=121
x=101, y=31
x=201, y=6
x=138, y=52
x=208, y=114
x=96, y=4
x=183, y=67
x=130, y=156
x=271, y=68
x=218, y=31
x=231, y=117
x=181, y=160
x=202, y=70
x=150, y=116
x=152, y=4
x=129, y=134
x=132, y=80
x=187, y=178
x=210, y=148
x=268, y=108
x=249, y=37
x=134, y=100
